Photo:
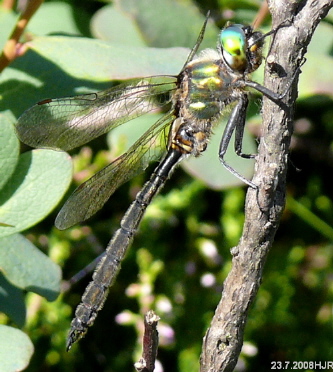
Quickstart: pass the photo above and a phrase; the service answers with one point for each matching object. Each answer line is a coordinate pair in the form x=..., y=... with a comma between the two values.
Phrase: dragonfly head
x=241, y=48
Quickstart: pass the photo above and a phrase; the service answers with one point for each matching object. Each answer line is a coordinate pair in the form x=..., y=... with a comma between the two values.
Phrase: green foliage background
x=181, y=254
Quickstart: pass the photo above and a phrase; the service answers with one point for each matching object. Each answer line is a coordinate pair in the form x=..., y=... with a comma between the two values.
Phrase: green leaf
x=169, y=23
x=34, y=78
x=39, y=182
x=321, y=42
x=56, y=17
x=9, y=149
x=103, y=29
x=12, y=300
x=315, y=80
x=28, y=268
x=16, y=349
x=101, y=61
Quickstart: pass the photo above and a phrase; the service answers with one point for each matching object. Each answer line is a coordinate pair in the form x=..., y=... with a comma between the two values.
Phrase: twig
x=13, y=48
x=261, y=15
x=223, y=340
x=150, y=344
x=8, y=4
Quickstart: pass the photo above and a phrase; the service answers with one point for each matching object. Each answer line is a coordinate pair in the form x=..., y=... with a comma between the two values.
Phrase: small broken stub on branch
x=150, y=344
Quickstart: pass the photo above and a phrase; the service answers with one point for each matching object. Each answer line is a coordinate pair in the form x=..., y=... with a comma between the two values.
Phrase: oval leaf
x=12, y=301
x=39, y=182
x=103, y=29
x=9, y=150
x=55, y=17
x=28, y=268
x=16, y=349
x=314, y=80
x=98, y=60
x=169, y=23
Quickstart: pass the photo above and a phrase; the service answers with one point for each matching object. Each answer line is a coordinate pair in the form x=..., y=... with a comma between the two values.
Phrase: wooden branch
x=223, y=341
x=150, y=344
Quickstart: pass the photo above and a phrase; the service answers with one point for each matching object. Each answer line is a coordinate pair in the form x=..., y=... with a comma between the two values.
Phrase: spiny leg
x=275, y=97
x=239, y=130
x=236, y=121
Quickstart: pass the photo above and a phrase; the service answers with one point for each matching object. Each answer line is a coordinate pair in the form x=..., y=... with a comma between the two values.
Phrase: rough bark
x=223, y=341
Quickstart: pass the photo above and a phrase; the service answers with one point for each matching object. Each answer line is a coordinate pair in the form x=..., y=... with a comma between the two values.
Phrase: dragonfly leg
x=239, y=130
x=236, y=122
x=275, y=97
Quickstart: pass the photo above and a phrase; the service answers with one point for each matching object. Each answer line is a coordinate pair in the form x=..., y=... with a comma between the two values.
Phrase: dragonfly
x=208, y=82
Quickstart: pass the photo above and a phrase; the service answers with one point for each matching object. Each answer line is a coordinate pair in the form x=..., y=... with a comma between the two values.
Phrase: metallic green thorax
x=207, y=88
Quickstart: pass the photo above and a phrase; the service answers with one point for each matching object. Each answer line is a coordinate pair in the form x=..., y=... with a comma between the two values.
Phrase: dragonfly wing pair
x=90, y=196
x=66, y=123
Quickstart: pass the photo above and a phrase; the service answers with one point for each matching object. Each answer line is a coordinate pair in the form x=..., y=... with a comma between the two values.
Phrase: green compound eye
x=233, y=42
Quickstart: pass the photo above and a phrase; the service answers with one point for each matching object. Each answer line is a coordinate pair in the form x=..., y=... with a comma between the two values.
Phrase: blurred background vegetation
x=181, y=254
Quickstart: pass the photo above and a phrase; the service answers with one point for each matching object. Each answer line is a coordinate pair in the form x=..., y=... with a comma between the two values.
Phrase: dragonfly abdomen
x=107, y=270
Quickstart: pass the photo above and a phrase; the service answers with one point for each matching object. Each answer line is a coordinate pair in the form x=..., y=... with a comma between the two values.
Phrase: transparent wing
x=89, y=197
x=66, y=123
